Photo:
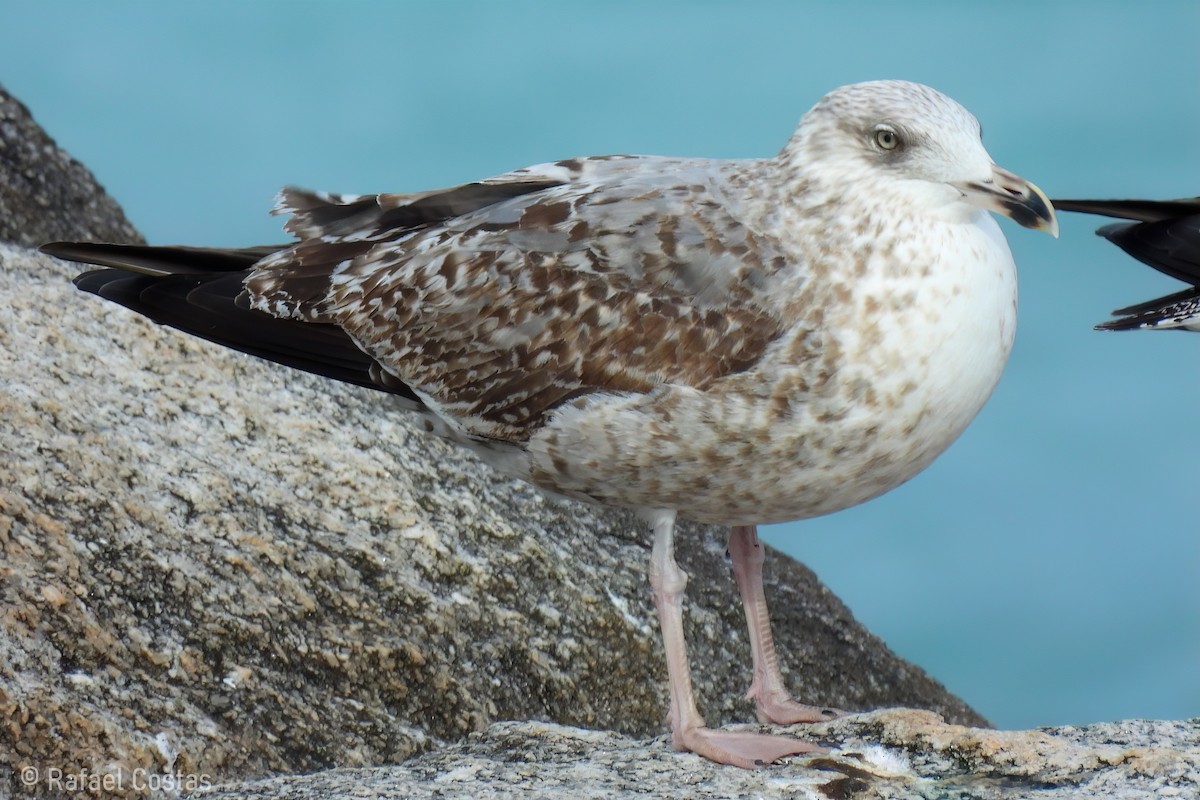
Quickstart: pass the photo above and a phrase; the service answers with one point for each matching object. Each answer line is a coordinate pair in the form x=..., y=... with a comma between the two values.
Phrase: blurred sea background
x=1047, y=567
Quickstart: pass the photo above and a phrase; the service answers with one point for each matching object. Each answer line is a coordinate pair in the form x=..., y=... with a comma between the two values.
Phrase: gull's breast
x=889, y=364
x=938, y=353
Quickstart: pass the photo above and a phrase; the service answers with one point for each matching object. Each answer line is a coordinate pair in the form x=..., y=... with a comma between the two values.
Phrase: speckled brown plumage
x=611, y=276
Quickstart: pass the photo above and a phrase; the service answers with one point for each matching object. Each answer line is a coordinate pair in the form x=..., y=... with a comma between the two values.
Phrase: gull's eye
x=886, y=138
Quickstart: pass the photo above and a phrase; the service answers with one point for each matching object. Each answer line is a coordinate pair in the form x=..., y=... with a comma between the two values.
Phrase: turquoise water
x=1047, y=568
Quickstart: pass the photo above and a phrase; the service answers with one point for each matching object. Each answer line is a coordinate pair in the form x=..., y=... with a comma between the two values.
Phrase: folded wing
x=491, y=303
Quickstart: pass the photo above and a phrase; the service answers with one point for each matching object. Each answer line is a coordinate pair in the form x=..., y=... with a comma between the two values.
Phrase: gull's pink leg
x=687, y=726
x=771, y=698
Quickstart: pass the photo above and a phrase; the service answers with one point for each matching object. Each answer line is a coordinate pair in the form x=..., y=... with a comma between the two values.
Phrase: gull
x=1164, y=234
x=731, y=341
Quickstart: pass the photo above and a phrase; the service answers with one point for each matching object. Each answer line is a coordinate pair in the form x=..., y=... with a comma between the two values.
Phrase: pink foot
x=741, y=749
x=781, y=709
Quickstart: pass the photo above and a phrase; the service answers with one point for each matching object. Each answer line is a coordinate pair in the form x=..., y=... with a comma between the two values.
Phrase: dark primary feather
x=1165, y=234
x=158, y=261
x=211, y=304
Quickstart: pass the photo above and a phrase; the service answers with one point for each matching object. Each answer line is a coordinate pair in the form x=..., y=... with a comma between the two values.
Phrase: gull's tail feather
x=199, y=291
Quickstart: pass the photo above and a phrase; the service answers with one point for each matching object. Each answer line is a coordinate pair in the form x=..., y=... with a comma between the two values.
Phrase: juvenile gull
x=736, y=342
x=1164, y=234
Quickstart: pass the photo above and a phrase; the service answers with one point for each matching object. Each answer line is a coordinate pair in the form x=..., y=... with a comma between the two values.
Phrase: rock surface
x=44, y=193
x=209, y=564
x=884, y=755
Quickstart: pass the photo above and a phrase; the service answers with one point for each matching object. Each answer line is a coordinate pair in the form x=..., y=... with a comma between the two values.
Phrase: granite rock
x=210, y=564
x=883, y=755
x=45, y=194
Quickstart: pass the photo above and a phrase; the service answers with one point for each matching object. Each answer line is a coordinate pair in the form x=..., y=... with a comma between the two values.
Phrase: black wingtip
x=152, y=261
x=1127, y=324
x=159, y=261
x=209, y=306
x=1137, y=210
x=1172, y=312
x=1139, y=324
x=79, y=252
x=92, y=280
x=1114, y=229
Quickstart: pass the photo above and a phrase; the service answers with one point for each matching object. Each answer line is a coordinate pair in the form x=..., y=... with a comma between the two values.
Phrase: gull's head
x=916, y=145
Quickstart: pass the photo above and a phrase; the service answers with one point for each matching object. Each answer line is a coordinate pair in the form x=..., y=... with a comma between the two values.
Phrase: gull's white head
x=916, y=142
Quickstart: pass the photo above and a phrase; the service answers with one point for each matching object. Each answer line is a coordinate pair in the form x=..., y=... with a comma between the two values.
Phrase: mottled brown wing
x=334, y=228
x=499, y=315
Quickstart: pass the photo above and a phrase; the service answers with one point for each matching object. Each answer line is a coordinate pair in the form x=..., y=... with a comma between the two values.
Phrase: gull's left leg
x=771, y=698
x=688, y=731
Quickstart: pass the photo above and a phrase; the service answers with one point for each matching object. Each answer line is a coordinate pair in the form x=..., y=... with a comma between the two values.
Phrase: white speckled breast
x=891, y=357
